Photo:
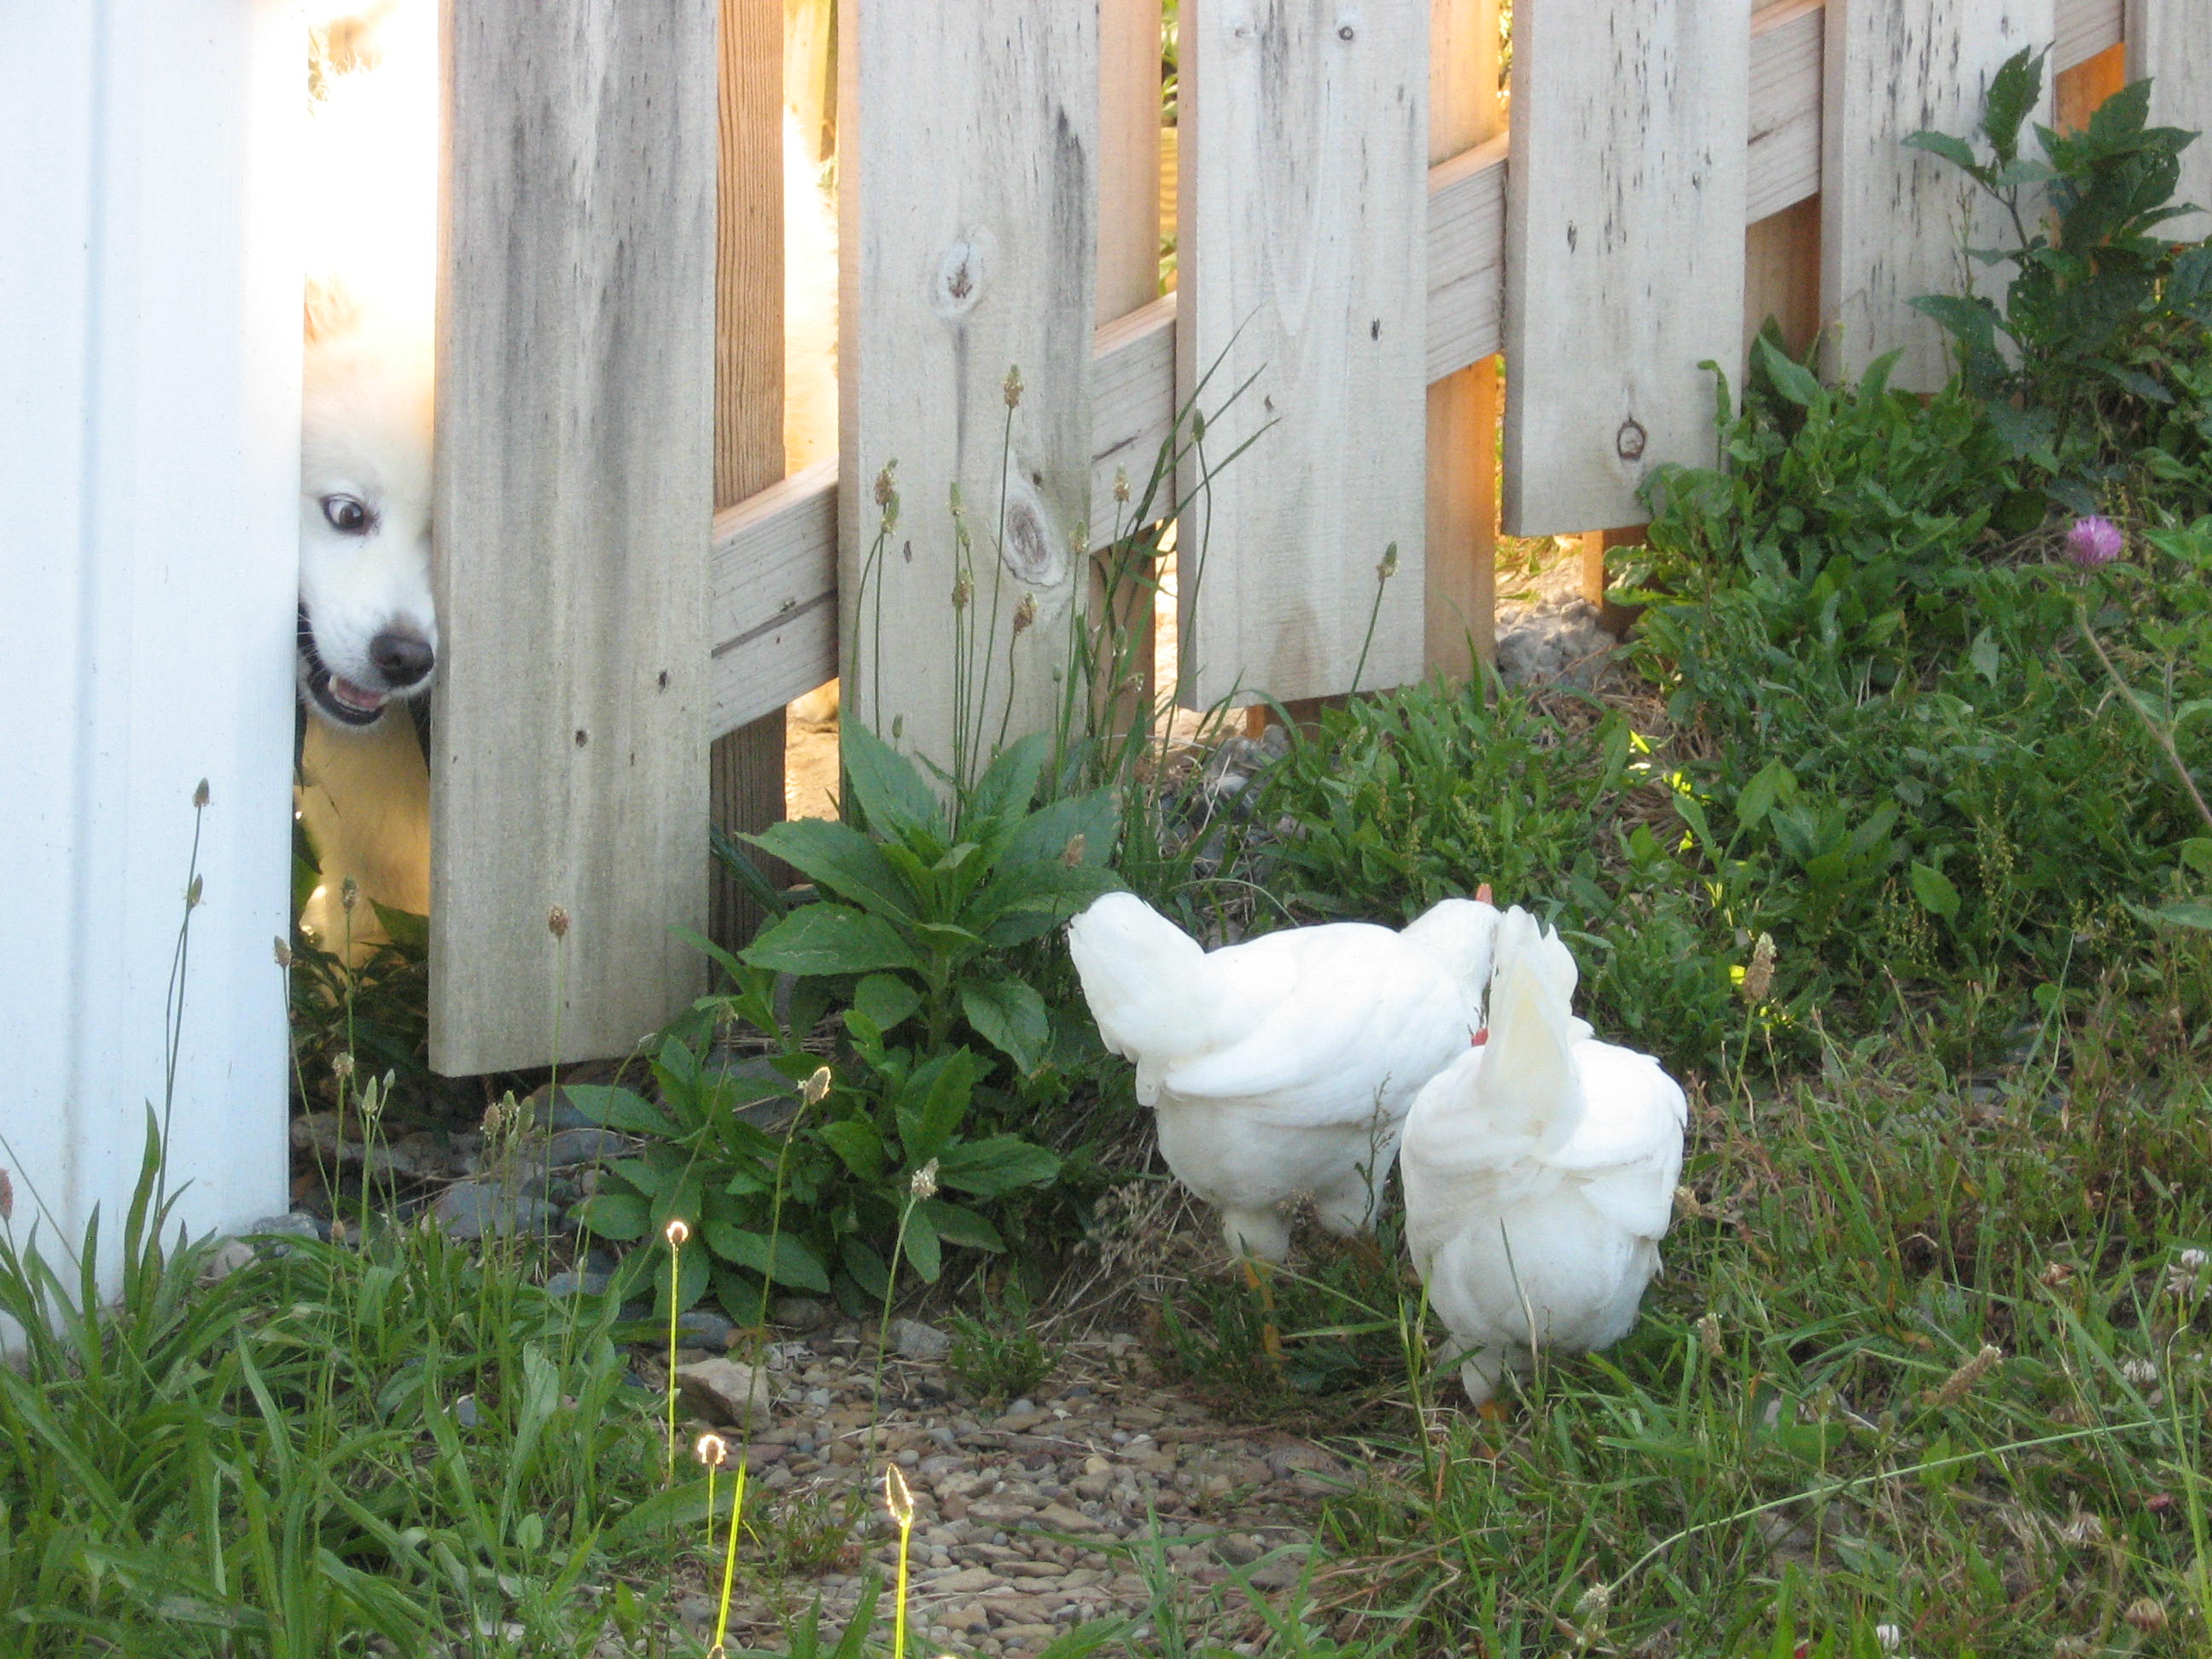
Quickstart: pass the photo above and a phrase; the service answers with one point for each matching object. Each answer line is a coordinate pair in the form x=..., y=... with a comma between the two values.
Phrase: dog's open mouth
x=338, y=698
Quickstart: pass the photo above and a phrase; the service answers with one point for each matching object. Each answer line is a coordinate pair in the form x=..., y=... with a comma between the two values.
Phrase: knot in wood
x=959, y=283
x=1032, y=552
x=1628, y=442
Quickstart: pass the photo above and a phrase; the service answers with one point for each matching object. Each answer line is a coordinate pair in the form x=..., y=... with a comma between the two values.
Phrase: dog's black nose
x=403, y=659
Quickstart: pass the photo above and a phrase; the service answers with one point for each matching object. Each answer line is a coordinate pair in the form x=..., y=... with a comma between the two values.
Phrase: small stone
x=1058, y=1517
x=583, y=1145
x=228, y=1257
x=1280, y=1572
x=724, y=1390
x=467, y=1412
x=912, y=1339
x=292, y=1224
x=476, y=1209
x=800, y=1313
x=705, y=1328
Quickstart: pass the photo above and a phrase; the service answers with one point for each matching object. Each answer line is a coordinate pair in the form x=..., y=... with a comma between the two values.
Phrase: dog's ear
x=331, y=310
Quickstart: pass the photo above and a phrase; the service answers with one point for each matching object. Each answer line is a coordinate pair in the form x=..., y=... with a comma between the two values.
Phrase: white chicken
x=1539, y=1172
x=1281, y=1069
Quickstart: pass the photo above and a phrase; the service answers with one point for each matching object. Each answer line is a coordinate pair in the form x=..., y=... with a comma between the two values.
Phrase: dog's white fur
x=366, y=436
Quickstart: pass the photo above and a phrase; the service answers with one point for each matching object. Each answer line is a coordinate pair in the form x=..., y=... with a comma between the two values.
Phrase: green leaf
x=921, y=1245
x=1006, y=787
x=618, y=1109
x=2196, y=853
x=1774, y=782
x=831, y=939
x=859, y=1146
x=995, y=1165
x=1952, y=149
x=618, y=1217
x=1010, y=1015
x=2014, y=90
x=408, y=931
x=934, y=1101
x=840, y=858
x=1935, y=892
x=885, y=1000
x=795, y=1265
x=1052, y=830
x=957, y=1224
x=1789, y=378
x=1984, y=656
x=883, y=785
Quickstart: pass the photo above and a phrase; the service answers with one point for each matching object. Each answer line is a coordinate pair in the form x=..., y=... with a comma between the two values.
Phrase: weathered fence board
x=1458, y=607
x=968, y=226
x=1895, y=222
x=2170, y=42
x=1783, y=161
x=1625, y=203
x=745, y=767
x=574, y=485
x=1301, y=261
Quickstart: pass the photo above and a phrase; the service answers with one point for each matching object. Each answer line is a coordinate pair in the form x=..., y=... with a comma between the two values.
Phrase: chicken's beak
x=1480, y=1038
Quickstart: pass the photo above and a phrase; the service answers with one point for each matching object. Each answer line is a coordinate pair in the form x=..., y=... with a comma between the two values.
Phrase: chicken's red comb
x=1482, y=894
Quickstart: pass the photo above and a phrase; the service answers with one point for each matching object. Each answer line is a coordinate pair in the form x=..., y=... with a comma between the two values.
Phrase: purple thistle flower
x=2093, y=541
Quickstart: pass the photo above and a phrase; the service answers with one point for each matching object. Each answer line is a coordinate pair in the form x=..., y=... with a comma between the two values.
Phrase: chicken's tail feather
x=1144, y=977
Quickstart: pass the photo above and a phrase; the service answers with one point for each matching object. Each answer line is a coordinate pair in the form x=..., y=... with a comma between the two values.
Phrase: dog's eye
x=344, y=513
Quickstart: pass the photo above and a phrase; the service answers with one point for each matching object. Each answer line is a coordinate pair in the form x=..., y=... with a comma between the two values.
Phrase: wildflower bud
x=1072, y=854
x=1759, y=975
x=284, y=954
x=1590, y=1605
x=898, y=728
x=349, y=893
x=2141, y=1373
x=2071, y=1647
x=1960, y=1382
x=1888, y=1638
x=712, y=1450
x=2082, y=1530
x=884, y=491
x=816, y=1087
x=557, y=922
x=1121, y=484
x=2054, y=1274
x=924, y=1184
x=2191, y=1260
x=1025, y=613
x=1389, y=567
x=200, y=796
x=342, y=1069
x=1709, y=1333
x=7, y=1197
x=194, y=892
x=677, y=1232
x=956, y=500
x=898, y=1497
x=1198, y=426
x=2146, y=1614
x=963, y=589
x=495, y=1117
x=1013, y=387
x=2093, y=541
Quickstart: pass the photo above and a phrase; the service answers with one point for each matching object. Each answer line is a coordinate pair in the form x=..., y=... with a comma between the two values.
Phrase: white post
x=149, y=386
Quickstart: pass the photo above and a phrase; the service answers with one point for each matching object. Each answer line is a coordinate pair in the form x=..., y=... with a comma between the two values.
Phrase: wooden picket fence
x=1359, y=235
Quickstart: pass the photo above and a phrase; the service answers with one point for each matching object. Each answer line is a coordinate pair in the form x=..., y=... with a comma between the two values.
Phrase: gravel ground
x=1027, y=1517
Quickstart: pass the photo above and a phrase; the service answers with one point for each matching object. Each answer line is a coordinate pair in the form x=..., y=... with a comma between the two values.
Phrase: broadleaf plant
x=929, y=897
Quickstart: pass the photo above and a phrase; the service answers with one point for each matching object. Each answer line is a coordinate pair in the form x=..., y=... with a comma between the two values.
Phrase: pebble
x=583, y=1145
x=476, y=1209
x=912, y=1339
